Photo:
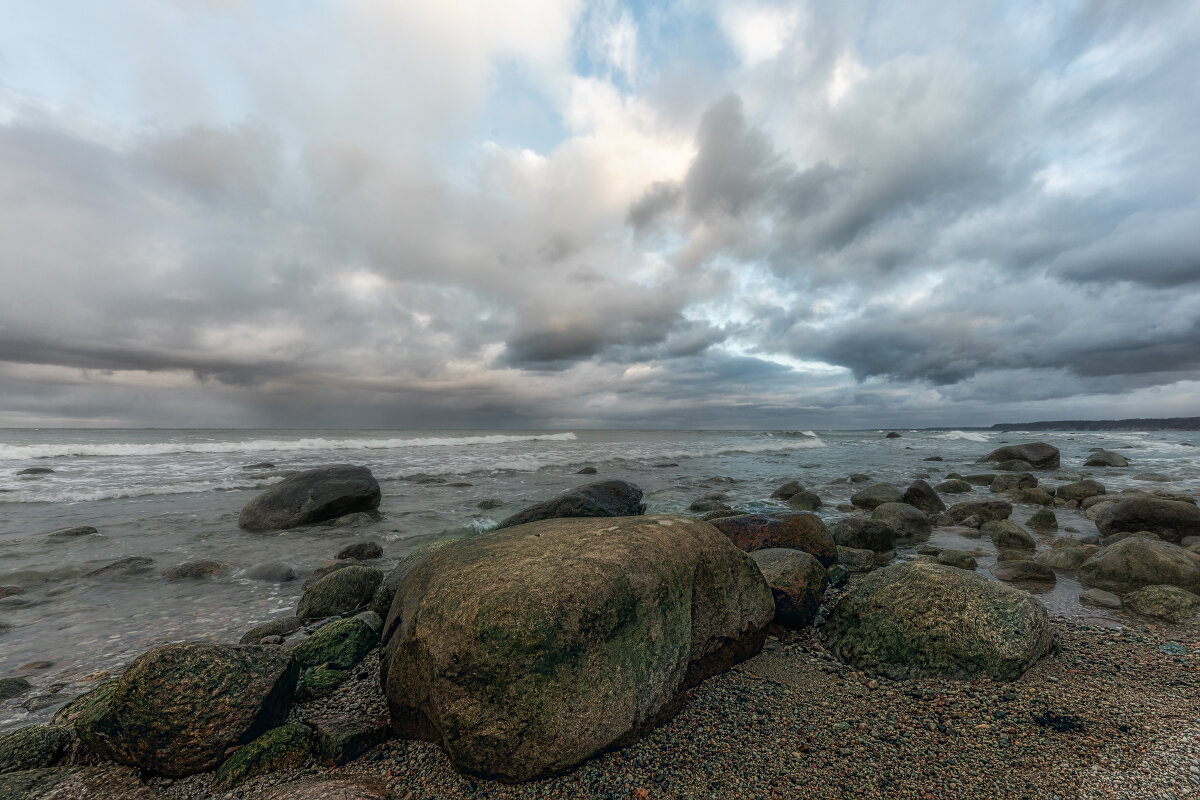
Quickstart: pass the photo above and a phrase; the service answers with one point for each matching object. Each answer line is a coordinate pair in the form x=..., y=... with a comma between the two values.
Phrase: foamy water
x=175, y=495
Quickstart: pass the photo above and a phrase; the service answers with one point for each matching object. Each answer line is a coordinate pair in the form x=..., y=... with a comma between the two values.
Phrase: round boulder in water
x=1037, y=454
x=612, y=498
x=310, y=497
x=1170, y=519
x=339, y=592
x=924, y=619
x=1135, y=562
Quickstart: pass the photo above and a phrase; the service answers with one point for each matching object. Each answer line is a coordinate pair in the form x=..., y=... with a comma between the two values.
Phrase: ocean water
x=174, y=496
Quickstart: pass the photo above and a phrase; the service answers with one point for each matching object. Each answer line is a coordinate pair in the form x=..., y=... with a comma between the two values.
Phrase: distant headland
x=1167, y=424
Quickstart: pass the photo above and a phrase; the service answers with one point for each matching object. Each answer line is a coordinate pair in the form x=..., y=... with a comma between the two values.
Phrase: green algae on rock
x=178, y=708
x=279, y=748
x=527, y=650
x=925, y=619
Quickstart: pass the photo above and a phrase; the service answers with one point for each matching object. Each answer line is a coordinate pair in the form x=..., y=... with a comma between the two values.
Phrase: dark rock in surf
x=876, y=495
x=787, y=490
x=862, y=533
x=361, y=551
x=72, y=533
x=124, y=567
x=35, y=471
x=1171, y=520
x=272, y=572
x=923, y=496
x=892, y=435
x=587, y=471
x=195, y=570
x=339, y=592
x=612, y=498
x=1106, y=458
x=310, y=497
x=1039, y=454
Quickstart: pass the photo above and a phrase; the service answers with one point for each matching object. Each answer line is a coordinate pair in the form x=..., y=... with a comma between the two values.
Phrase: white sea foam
x=81, y=495
x=22, y=452
x=970, y=436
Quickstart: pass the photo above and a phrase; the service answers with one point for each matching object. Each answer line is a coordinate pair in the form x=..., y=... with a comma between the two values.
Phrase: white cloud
x=758, y=32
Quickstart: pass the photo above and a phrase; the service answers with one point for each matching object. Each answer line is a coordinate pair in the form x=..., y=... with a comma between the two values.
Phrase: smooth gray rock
x=310, y=497
x=612, y=498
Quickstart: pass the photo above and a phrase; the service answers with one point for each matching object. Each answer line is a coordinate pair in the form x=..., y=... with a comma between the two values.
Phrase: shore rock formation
x=310, y=497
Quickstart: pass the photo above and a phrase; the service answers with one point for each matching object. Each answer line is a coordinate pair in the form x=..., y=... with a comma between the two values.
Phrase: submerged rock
x=72, y=533
x=611, y=498
x=797, y=581
x=195, y=570
x=272, y=572
x=361, y=551
x=924, y=619
x=1101, y=598
x=1038, y=454
x=527, y=650
x=799, y=531
x=13, y=687
x=124, y=567
x=313, y=496
x=177, y=709
x=1021, y=570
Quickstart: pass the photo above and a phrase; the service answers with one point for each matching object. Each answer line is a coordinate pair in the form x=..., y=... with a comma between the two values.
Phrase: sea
x=174, y=496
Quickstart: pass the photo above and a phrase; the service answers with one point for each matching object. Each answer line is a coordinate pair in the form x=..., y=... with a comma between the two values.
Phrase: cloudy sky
x=550, y=213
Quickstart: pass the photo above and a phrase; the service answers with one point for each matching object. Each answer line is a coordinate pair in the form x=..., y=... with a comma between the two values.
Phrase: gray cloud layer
x=978, y=222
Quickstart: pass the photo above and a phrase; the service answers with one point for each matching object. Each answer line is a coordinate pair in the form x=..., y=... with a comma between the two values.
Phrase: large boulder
x=601, y=499
x=863, y=533
x=1170, y=519
x=177, y=709
x=1106, y=458
x=876, y=495
x=907, y=522
x=983, y=510
x=341, y=645
x=527, y=650
x=310, y=497
x=924, y=619
x=797, y=581
x=1135, y=562
x=339, y=592
x=923, y=496
x=799, y=531
x=1039, y=454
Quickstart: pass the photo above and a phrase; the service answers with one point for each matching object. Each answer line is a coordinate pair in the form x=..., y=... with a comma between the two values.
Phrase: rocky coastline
x=587, y=649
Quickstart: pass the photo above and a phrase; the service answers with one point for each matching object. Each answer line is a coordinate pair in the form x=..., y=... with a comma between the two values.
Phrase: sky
x=540, y=214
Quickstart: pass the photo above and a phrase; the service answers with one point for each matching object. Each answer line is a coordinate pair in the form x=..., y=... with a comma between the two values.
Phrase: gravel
x=1113, y=714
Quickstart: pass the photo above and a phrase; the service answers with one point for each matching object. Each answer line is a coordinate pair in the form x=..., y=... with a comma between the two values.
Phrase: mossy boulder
x=1171, y=520
x=954, y=486
x=381, y=600
x=876, y=495
x=34, y=747
x=1067, y=558
x=799, y=531
x=1165, y=602
x=1038, y=454
x=797, y=581
x=962, y=559
x=1133, y=563
x=87, y=706
x=310, y=497
x=284, y=747
x=862, y=533
x=1017, y=480
x=176, y=709
x=527, y=650
x=925, y=619
x=317, y=683
x=340, y=645
x=340, y=592
x=612, y=498
x=804, y=501
x=1043, y=520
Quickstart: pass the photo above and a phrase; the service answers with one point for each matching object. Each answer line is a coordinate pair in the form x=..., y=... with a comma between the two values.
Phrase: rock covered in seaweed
x=925, y=619
x=527, y=650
